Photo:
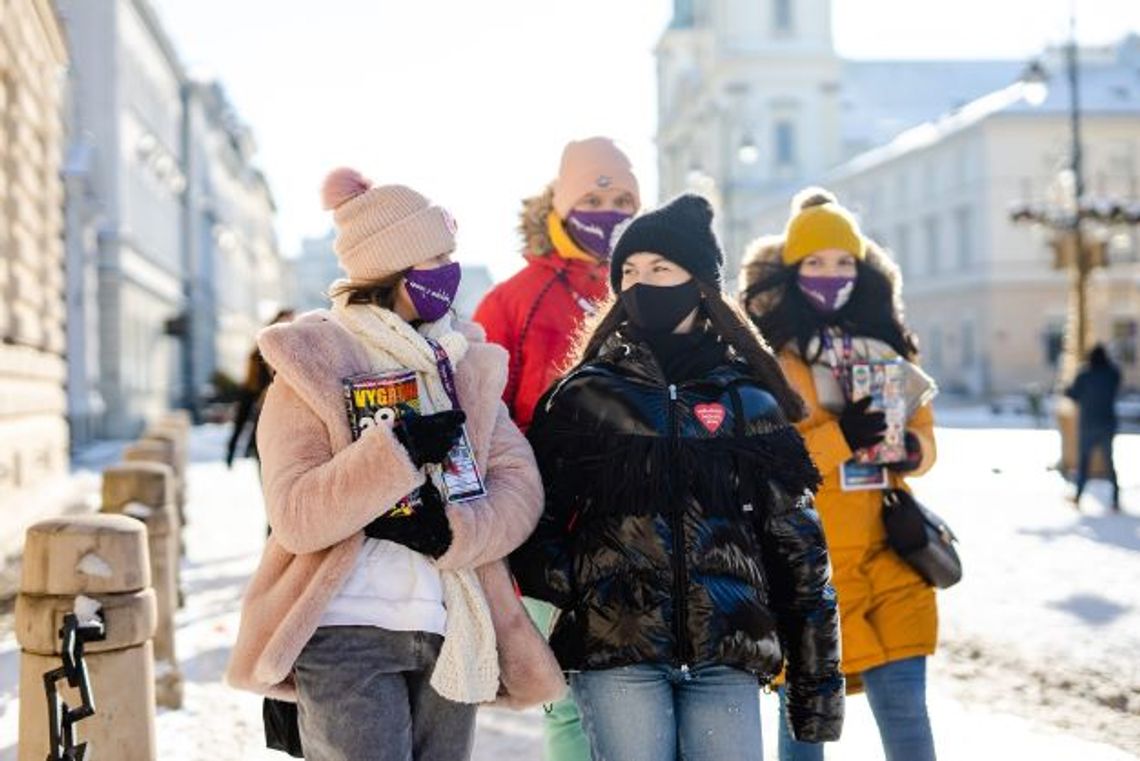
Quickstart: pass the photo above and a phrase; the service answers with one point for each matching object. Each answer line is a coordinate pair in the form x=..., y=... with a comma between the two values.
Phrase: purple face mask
x=433, y=291
x=592, y=230
x=827, y=294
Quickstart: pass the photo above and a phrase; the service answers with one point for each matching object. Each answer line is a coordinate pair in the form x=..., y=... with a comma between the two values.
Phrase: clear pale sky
x=471, y=102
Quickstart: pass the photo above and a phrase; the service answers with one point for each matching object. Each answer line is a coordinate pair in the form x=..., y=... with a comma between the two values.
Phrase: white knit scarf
x=467, y=670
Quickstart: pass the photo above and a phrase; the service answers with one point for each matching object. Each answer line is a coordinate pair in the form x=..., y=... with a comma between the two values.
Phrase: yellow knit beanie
x=821, y=227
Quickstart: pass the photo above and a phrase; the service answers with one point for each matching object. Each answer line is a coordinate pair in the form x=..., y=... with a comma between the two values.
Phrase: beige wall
x=33, y=432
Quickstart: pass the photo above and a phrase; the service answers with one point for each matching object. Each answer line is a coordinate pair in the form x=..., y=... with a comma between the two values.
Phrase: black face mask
x=660, y=308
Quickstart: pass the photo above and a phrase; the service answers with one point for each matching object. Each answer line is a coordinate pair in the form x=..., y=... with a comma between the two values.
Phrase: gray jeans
x=364, y=695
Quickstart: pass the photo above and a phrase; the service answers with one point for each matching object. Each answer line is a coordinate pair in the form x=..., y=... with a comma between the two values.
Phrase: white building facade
x=235, y=269
x=312, y=272
x=172, y=255
x=980, y=292
x=128, y=111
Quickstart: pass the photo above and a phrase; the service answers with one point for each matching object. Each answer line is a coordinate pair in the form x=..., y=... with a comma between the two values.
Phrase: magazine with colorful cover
x=884, y=381
x=382, y=398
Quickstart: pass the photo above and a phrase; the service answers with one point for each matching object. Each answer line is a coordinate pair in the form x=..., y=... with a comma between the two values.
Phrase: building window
x=785, y=143
x=1122, y=248
x=933, y=244
x=1124, y=332
x=902, y=191
x=782, y=15
x=930, y=178
x=968, y=355
x=934, y=355
x=964, y=234
x=1054, y=343
x=902, y=248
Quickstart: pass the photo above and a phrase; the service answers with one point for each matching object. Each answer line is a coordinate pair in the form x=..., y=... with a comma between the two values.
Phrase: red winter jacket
x=536, y=313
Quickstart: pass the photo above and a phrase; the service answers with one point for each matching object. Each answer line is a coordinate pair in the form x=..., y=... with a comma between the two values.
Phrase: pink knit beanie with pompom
x=385, y=229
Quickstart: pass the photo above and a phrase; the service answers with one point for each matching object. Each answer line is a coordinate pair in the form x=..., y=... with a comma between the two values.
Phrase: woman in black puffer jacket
x=679, y=539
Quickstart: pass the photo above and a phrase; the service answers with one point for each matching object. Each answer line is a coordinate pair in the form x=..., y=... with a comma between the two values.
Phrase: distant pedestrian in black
x=257, y=379
x=1095, y=391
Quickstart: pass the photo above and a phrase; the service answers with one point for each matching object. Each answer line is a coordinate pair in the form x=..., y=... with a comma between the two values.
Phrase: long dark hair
x=727, y=320
x=789, y=317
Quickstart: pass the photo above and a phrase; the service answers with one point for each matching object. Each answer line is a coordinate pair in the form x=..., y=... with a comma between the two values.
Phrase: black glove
x=861, y=428
x=913, y=455
x=426, y=530
x=428, y=438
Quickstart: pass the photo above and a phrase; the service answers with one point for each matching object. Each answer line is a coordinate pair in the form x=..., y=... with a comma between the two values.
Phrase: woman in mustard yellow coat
x=828, y=301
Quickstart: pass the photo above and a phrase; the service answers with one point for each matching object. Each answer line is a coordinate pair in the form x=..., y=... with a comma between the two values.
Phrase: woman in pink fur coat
x=388, y=630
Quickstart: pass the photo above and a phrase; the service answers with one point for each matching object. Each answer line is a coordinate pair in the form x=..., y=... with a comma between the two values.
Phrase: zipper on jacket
x=679, y=582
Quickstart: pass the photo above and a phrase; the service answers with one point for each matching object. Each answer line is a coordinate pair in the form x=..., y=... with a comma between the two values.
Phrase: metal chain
x=61, y=717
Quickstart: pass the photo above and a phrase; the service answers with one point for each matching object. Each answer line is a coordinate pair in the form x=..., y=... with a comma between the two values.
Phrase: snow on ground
x=1040, y=639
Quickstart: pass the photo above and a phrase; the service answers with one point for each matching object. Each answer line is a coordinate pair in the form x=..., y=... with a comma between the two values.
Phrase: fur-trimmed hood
x=763, y=257
x=533, y=223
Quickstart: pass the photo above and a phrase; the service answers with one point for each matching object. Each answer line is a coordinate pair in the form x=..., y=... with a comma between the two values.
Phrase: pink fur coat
x=321, y=488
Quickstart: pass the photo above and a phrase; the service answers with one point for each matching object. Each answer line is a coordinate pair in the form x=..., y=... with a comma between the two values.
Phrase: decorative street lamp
x=748, y=152
x=1035, y=84
x=1075, y=248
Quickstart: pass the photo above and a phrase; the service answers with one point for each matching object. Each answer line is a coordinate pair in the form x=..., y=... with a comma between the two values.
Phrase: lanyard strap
x=446, y=374
x=840, y=366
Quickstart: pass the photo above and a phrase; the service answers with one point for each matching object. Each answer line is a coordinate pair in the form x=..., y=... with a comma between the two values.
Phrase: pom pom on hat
x=812, y=196
x=342, y=185
x=383, y=229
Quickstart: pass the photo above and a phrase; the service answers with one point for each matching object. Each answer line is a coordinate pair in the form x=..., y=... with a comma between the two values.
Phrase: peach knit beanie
x=591, y=164
x=385, y=229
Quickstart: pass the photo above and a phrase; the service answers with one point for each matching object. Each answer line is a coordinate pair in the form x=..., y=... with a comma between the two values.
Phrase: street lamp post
x=1075, y=250
x=1077, y=339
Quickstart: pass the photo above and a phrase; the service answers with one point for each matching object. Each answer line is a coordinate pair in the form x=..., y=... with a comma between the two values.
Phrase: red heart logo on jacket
x=710, y=414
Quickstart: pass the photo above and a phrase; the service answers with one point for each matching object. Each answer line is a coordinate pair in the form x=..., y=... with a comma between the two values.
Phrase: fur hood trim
x=533, y=222
x=764, y=255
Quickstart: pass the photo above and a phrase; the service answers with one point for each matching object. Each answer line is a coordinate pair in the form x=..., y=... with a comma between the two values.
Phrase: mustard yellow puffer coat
x=887, y=611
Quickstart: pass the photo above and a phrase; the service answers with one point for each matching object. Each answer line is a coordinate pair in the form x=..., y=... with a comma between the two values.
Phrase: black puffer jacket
x=679, y=528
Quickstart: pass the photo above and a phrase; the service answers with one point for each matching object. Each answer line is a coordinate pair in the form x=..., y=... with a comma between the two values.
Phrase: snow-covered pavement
x=1040, y=639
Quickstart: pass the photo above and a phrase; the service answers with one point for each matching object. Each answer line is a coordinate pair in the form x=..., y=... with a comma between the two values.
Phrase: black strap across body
x=921, y=538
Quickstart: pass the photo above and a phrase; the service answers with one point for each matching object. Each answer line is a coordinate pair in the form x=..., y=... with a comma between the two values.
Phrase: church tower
x=748, y=103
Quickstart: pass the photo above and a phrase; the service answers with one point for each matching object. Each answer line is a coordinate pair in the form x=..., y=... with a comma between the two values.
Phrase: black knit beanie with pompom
x=681, y=231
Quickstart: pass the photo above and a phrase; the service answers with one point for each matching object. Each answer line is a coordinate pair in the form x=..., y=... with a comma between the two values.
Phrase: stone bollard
x=78, y=562
x=179, y=444
x=160, y=451
x=144, y=490
x=177, y=419
x=177, y=436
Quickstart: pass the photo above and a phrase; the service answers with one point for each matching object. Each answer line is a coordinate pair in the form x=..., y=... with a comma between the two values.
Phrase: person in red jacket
x=535, y=316
x=567, y=230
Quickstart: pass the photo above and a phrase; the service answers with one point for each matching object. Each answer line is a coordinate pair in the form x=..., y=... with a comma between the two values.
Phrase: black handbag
x=282, y=729
x=921, y=538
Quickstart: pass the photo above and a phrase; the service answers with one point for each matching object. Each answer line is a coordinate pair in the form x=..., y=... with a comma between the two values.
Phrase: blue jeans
x=654, y=712
x=364, y=694
x=897, y=694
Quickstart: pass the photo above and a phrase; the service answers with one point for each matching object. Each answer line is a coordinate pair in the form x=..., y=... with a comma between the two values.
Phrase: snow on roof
x=879, y=99
x=1107, y=88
